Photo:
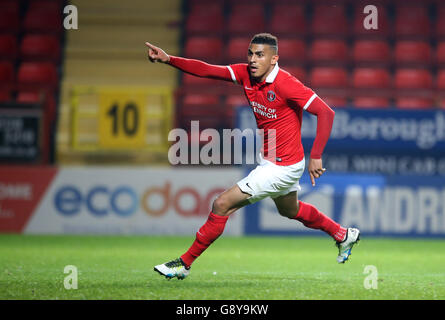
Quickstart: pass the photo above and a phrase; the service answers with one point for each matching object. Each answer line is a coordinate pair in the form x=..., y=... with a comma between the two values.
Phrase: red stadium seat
x=7, y=75
x=9, y=22
x=370, y=102
x=328, y=51
x=412, y=21
x=440, y=85
x=254, y=8
x=37, y=75
x=328, y=77
x=8, y=47
x=371, y=52
x=246, y=19
x=200, y=99
x=329, y=20
x=337, y=101
x=237, y=49
x=330, y=83
x=208, y=48
x=364, y=80
x=10, y=5
x=412, y=53
x=203, y=107
x=414, y=103
x=202, y=7
x=232, y=102
x=441, y=79
x=43, y=22
x=207, y=23
x=440, y=53
x=53, y=6
x=291, y=50
x=410, y=78
x=296, y=71
x=288, y=19
x=414, y=88
x=236, y=100
x=371, y=78
x=5, y=95
x=440, y=22
x=38, y=47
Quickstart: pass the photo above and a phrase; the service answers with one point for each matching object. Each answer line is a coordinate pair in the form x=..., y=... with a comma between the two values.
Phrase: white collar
x=271, y=77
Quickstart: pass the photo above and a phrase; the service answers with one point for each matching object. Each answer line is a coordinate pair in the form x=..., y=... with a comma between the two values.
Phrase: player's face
x=261, y=59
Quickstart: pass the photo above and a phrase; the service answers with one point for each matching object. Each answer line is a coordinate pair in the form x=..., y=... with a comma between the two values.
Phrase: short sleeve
x=239, y=73
x=296, y=93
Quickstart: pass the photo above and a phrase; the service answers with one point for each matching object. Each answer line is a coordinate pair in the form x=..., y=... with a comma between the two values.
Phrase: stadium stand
x=413, y=53
x=328, y=52
x=327, y=46
x=329, y=20
x=8, y=47
x=31, y=42
x=373, y=53
x=246, y=19
x=411, y=20
x=414, y=88
x=40, y=47
x=108, y=50
x=288, y=19
x=370, y=86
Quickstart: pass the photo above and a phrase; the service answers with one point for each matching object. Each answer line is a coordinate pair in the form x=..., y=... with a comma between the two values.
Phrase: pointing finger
x=148, y=44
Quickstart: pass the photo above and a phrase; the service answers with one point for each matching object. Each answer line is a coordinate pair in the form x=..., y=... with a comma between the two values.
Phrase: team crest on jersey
x=271, y=96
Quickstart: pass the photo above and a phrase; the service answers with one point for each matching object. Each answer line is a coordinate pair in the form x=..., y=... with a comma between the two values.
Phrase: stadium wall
x=155, y=201
x=113, y=200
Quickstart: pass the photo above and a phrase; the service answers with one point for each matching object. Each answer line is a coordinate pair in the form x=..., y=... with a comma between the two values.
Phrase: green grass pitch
x=233, y=268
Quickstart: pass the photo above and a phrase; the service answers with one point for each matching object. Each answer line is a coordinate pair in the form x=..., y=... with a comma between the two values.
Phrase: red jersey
x=278, y=104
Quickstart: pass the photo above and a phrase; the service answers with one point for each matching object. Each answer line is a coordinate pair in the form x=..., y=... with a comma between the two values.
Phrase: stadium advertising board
x=377, y=204
x=124, y=201
x=20, y=134
x=377, y=141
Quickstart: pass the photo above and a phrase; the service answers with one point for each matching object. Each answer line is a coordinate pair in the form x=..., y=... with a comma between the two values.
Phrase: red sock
x=208, y=233
x=314, y=219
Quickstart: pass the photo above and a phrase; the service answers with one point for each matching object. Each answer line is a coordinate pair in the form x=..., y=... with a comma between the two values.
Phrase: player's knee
x=220, y=205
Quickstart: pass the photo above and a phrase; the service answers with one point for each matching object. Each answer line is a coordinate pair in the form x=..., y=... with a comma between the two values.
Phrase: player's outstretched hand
x=315, y=169
x=156, y=54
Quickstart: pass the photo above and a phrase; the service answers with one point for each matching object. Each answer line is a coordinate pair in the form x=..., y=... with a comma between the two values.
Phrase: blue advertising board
x=407, y=142
x=378, y=205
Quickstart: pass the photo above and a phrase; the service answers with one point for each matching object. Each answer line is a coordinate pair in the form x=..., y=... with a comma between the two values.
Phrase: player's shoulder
x=239, y=67
x=240, y=70
x=287, y=84
x=286, y=77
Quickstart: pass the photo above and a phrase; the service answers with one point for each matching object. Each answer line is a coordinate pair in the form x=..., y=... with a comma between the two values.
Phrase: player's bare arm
x=325, y=119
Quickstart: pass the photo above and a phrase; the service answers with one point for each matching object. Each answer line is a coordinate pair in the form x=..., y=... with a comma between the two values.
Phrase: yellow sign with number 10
x=121, y=120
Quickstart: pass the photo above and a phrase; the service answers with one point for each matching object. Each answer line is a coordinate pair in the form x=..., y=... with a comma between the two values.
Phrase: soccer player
x=267, y=87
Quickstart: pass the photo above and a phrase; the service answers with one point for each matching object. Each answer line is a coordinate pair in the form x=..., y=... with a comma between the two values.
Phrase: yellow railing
x=120, y=119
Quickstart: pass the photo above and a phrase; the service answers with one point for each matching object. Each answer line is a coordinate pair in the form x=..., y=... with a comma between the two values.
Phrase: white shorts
x=271, y=180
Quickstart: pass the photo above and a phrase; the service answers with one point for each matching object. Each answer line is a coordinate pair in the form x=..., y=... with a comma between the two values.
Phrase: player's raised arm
x=192, y=66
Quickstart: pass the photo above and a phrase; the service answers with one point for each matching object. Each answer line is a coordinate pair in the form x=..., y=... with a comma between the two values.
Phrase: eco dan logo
x=124, y=201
